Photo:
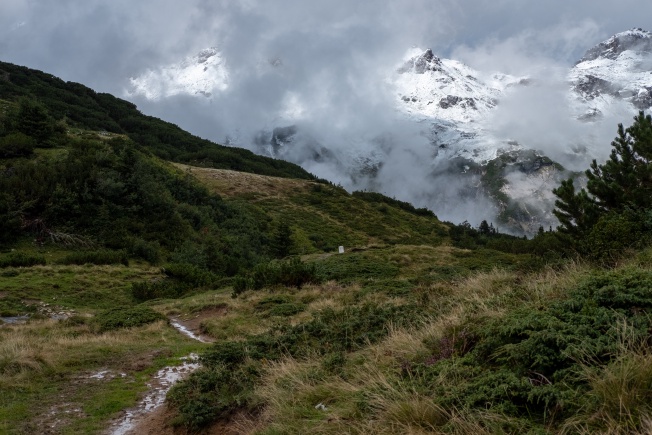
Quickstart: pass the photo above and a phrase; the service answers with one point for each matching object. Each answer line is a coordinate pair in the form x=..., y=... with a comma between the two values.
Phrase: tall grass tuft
x=620, y=392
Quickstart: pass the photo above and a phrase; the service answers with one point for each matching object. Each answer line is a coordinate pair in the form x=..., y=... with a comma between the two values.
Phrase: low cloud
x=323, y=66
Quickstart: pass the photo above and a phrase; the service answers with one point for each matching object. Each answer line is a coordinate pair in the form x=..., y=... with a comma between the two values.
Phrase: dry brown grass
x=43, y=345
x=233, y=184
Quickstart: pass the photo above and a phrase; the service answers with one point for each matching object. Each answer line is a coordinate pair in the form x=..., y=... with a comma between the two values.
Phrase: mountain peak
x=635, y=39
x=421, y=63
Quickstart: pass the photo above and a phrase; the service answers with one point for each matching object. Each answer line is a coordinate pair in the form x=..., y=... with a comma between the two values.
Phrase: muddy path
x=150, y=416
x=185, y=329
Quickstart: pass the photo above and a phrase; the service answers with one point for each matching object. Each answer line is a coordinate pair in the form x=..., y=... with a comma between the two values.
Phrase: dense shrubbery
x=357, y=265
x=526, y=364
x=103, y=256
x=125, y=317
x=374, y=197
x=290, y=273
x=21, y=259
x=16, y=145
x=160, y=289
x=180, y=279
x=279, y=306
x=122, y=199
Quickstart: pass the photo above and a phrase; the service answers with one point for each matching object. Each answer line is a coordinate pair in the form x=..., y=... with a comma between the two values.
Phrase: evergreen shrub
x=125, y=317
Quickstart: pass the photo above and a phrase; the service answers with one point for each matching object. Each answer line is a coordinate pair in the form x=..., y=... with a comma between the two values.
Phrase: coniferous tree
x=282, y=242
x=576, y=212
x=33, y=120
x=624, y=181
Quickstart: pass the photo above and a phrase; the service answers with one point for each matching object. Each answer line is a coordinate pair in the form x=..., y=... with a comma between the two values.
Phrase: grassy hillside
x=323, y=217
x=66, y=290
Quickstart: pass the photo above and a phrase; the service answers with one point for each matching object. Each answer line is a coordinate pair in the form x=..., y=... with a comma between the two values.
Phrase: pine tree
x=33, y=120
x=577, y=212
x=282, y=242
x=623, y=182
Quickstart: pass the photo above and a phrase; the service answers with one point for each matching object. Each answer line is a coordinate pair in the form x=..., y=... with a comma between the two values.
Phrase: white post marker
x=341, y=249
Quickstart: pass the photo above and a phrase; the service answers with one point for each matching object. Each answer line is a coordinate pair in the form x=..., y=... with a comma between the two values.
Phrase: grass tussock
x=45, y=345
x=620, y=392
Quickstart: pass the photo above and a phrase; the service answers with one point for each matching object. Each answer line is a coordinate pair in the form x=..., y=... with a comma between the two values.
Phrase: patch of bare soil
x=159, y=422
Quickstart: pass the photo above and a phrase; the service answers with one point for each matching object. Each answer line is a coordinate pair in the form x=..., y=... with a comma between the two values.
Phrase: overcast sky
x=102, y=43
x=335, y=56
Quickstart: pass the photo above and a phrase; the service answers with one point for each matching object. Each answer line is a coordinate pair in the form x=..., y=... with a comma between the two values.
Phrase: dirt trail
x=149, y=416
x=159, y=387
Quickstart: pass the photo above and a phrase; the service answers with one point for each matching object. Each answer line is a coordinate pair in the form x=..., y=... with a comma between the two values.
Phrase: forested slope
x=80, y=106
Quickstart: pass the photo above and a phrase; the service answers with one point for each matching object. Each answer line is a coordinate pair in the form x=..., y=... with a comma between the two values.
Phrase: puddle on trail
x=46, y=310
x=13, y=320
x=158, y=387
x=106, y=375
x=187, y=332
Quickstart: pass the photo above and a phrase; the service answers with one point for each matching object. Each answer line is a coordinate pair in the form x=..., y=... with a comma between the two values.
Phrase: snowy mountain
x=430, y=87
x=454, y=107
x=616, y=70
x=455, y=100
x=202, y=75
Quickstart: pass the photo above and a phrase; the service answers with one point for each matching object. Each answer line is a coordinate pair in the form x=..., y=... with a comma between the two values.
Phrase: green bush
x=213, y=393
x=16, y=145
x=286, y=310
x=148, y=251
x=161, y=289
x=21, y=259
x=180, y=279
x=190, y=274
x=613, y=234
x=100, y=257
x=9, y=273
x=353, y=266
x=291, y=273
x=373, y=197
x=526, y=363
x=125, y=317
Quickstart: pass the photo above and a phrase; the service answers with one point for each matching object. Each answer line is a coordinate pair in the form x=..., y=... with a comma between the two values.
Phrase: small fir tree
x=282, y=242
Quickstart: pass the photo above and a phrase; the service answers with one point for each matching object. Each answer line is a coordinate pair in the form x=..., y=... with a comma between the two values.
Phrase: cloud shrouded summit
x=323, y=67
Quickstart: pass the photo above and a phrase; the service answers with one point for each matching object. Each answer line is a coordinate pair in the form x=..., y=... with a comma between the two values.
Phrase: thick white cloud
x=103, y=43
